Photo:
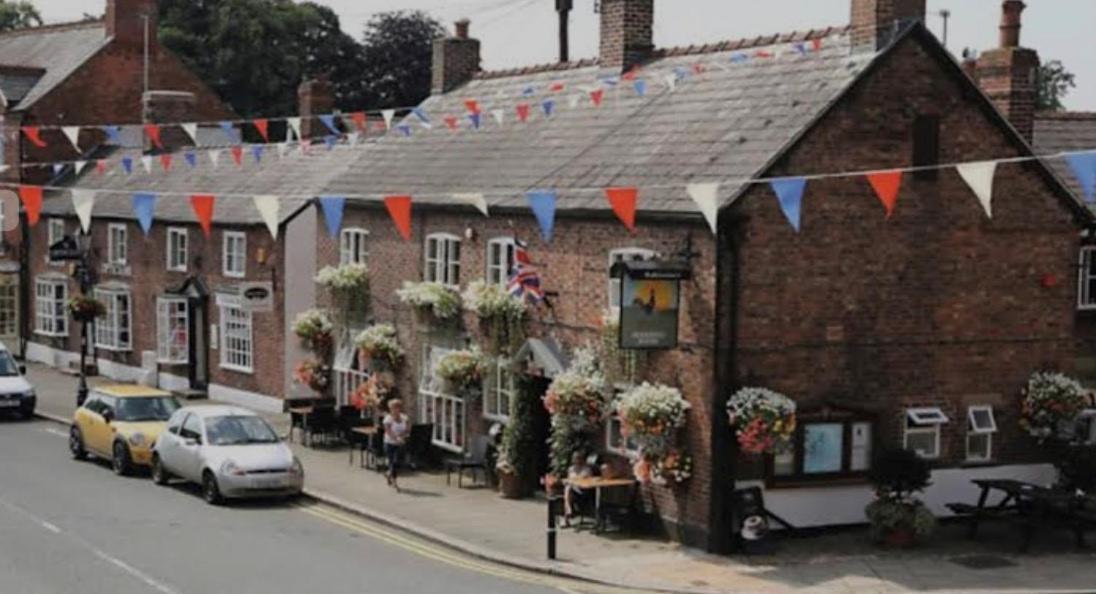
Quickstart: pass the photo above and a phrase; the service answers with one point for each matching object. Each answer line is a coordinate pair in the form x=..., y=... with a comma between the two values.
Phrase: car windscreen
x=239, y=430
x=151, y=408
x=8, y=367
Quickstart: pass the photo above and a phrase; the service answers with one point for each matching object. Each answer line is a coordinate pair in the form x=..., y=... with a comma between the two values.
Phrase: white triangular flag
x=476, y=200
x=353, y=138
x=979, y=176
x=499, y=115
x=191, y=130
x=80, y=165
x=73, y=134
x=146, y=162
x=388, y=116
x=283, y=148
x=215, y=158
x=294, y=127
x=83, y=201
x=268, y=207
x=573, y=100
x=706, y=197
x=671, y=81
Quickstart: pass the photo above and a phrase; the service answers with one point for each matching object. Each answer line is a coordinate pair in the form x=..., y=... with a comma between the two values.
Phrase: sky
x=523, y=32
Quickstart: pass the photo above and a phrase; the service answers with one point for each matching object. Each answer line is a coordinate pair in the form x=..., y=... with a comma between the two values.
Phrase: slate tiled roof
x=726, y=124
x=58, y=50
x=1057, y=132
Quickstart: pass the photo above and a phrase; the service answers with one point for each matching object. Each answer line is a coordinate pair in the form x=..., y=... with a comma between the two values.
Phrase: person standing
x=397, y=427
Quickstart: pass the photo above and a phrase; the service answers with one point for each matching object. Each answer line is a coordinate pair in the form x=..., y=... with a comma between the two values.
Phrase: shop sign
x=257, y=297
x=650, y=301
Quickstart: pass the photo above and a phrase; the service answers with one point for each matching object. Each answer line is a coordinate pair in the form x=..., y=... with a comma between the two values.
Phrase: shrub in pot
x=897, y=517
x=517, y=453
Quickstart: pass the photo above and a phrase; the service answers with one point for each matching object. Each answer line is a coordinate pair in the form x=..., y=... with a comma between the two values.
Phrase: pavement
x=476, y=522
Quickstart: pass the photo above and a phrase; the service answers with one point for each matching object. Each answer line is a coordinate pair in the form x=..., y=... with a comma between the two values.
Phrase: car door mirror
x=108, y=416
x=22, y=370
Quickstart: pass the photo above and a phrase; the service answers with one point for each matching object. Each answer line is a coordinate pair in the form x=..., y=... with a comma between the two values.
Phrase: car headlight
x=296, y=468
x=229, y=467
x=30, y=394
x=138, y=439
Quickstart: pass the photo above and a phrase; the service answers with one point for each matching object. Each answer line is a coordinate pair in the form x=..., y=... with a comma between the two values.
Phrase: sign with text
x=649, y=304
x=65, y=250
x=257, y=297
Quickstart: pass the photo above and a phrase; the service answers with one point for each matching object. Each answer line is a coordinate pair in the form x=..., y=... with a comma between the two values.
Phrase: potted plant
x=1050, y=401
x=379, y=342
x=85, y=308
x=501, y=316
x=433, y=302
x=462, y=371
x=516, y=464
x=763, y=420
x=316, y=331
x=898, y=518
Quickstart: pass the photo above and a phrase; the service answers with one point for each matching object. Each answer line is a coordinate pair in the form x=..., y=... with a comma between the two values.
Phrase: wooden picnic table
x=301, y=412
x=1032, y=507
x=368, y=432
x=597, y=484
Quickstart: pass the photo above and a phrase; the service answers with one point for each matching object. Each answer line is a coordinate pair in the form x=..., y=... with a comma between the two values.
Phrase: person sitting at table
x=579, y=469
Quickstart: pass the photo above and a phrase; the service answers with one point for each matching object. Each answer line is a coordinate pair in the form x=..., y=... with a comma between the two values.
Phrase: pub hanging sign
x=650, y=296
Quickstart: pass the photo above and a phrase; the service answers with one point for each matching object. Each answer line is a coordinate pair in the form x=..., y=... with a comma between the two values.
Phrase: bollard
x=552, y=528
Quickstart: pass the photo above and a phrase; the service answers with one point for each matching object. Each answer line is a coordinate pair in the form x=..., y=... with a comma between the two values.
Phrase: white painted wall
x=299, y=291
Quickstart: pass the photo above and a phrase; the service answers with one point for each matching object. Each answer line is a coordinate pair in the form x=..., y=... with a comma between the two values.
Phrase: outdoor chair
x=347, y=423
x=419, y=446
x=473, y=460
x=323, y=423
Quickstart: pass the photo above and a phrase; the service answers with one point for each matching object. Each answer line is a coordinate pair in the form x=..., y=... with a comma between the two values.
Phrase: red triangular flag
x=623, y=201
x=816, y=43
x=452, y=122
x=358, y=117
x=556, y=87
x=523, y=111
x=153, y=133
x=203, y=209
x=631, y=74
x=699, y=68
x=238, y=155
x=472, y=105
x=886, y=185
x=597, y=96
x=32, y=201
x=165, y=161
x=101, y=166
x=263, y=126
x=34, y=135
x=399, y=208
x=380, y=126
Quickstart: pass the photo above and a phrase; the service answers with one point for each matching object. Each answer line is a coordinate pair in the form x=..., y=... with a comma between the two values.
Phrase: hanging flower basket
x=434, y=303
x=85, y=309
x=371, y=394
x=348, y=286
x=462, y=371
x=316, y=331
x=652, y=415
x=763, y=419
x=379, y=343
x=1050, y=401
x=313, y=374
x=501, y=316
x=576, y=398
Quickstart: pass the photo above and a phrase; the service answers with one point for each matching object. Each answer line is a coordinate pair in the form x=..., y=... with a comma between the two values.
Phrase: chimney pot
x=876, y=22
x=627, y=33
x=461, y=28
x=315, y=97
x=1011, y=22
x=456, y=59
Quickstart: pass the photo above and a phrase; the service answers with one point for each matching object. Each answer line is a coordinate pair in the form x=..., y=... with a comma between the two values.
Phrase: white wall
x=299, y=291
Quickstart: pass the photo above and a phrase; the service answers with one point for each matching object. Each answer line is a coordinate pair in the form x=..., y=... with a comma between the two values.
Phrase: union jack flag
x=524, y=278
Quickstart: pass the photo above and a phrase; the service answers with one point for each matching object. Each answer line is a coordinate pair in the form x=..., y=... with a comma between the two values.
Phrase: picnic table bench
x=1030, y=507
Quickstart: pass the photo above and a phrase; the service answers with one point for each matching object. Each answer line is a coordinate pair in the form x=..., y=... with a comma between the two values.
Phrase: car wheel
x=120, y=460
x=210, y=491
x=76, y=445
x=160, y=475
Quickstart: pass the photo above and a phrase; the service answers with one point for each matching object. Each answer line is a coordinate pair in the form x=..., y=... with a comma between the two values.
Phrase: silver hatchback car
x=231, y=452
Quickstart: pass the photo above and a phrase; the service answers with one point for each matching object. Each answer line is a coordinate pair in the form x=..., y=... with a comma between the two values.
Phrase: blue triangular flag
x=419, y=113
x=640, y=87
x=476, y=119
x=127, y=164
x=144, y=205
x=789, y=191
x=329, y=140
x=231, y=132
x=549, y=106
x=405, y=129
x=114, y=134
x=801, y=48
x=529, y=91
x=329, y=121
x=58, y=168
x=1084, y=167
x=257, y=152
x=681, y=73
x=191, y=159
x=333, y=213
x=739, y=58
x=543, y=203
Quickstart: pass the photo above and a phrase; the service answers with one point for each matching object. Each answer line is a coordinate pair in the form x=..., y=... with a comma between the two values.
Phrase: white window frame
x=976, y=432
x=444, y=268
x=353, y=246
x=234, y=261
x=50, y=311
x=114, y=331
x=924, y=421
x=629, y=254
x=500, y=260
x=500, y=384
x=9, y=309
x=445, y=411
x=174, y=251
x=236, y=356
x=1086, y=272
x=55, y=231
x=166, y=351
x=117, y=251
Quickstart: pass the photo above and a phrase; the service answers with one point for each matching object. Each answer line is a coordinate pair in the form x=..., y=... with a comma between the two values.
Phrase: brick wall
x=874, y=22
x=456, y=59
x=627, y=33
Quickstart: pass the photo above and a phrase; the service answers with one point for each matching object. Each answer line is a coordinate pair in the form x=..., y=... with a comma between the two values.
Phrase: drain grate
x=982, y=562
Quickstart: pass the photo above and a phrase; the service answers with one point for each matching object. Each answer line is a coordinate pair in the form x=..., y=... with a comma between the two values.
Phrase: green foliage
x=1053, y=83
x=397, y=51
x=18, y=15
x=899, y=474
x=519, y=445
x=890, y=515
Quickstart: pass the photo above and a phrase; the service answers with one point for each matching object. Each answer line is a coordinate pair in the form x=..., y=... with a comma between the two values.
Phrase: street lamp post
x=84, y=277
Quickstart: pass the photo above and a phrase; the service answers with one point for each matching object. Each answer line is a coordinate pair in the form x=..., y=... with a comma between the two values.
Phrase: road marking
x=132, y=571
x=56, y=431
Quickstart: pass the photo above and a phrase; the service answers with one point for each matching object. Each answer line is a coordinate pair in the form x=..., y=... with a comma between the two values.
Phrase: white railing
x=346, y=381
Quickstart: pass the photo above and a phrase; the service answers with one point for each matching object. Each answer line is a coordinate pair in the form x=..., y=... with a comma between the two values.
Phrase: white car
x=231, y=452
x=16, y=393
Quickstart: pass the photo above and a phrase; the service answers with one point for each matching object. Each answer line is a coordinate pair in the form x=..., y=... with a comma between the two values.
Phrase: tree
x=18, y=15
x=397, y=55
x=1052, y=85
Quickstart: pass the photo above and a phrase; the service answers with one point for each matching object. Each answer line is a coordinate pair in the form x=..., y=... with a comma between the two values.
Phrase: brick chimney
x=456, y=59
x=876, y=23
x=315, y=97
x=1008, y=73
x=627, y=33
x=125, y=21
x=169, y=107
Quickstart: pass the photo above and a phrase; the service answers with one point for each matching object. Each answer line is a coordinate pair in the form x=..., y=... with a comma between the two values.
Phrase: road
x=73, y=527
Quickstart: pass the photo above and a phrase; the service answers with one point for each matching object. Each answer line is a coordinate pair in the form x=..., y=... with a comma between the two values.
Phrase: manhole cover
x=983, y=562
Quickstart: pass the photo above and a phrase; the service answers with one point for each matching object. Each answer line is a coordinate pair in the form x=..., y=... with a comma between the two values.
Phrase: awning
x=545, y=354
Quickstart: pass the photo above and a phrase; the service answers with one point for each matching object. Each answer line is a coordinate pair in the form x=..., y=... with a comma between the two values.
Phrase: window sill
x=51, y=334
x=234, y=274
x=504, y=419
x=165, y=362
x=113, y=349
x=236, y=369
x=182, y=270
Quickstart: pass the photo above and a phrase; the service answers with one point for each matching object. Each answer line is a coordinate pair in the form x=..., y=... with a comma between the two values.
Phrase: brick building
x=886, y=331
x=91, y=73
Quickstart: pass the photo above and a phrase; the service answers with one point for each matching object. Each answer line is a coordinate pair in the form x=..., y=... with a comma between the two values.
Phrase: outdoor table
x=364, y=446
x=597, y=483
x=302, y=412
x=1034, y=506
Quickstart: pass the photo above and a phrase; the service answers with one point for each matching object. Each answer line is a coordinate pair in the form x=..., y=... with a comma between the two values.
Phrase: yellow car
x=121, y=423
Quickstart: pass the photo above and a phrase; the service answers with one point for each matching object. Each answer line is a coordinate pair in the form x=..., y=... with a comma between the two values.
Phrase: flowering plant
x=84, y=308
x=313, y=374
x=348, y=277
x=1050, y=399
x=380, y=341
x=462, y=369
x=312, y=324
x=371, y=393
x=674, y=468
x=764, y=419
x=651, y=414
x=501, y=315
x=440, y=300
x=576, y=397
